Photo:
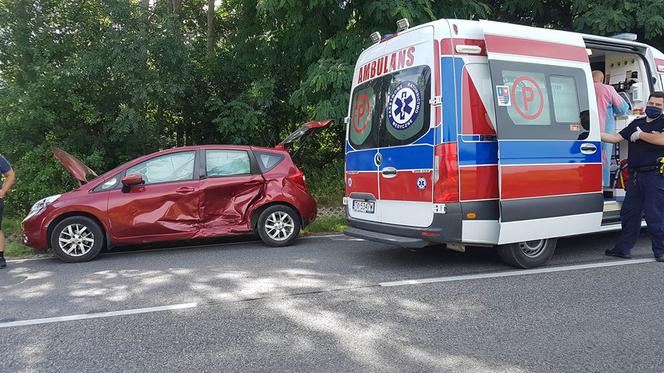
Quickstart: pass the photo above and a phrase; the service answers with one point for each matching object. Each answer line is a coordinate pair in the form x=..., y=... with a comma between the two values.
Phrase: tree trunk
x=177, y=5
x=210, y=27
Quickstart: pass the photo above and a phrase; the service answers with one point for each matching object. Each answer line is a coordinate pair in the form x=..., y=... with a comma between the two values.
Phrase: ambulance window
x=530, y=96
x=407, y=109
x=364, y=116
x=565, y=99
x=537, y=101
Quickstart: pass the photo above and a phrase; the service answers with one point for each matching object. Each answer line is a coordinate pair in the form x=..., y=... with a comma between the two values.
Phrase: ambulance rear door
x=550, y=169
x=407, y=136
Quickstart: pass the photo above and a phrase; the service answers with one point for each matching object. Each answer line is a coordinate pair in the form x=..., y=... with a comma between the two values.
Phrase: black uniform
x=645, y=191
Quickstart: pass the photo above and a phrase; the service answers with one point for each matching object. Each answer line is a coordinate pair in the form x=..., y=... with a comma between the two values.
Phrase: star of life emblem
x=404, y=105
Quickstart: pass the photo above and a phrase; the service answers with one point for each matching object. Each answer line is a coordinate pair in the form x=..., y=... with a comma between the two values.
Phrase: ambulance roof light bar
x=625, y=36
x=375, y=37
x=403, y=24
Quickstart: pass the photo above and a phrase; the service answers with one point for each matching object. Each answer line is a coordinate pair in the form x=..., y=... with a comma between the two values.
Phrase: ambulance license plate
x=366, y=207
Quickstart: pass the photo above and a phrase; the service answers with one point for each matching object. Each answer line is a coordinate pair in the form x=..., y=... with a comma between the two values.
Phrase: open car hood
x=75, y=167
x=304, y=130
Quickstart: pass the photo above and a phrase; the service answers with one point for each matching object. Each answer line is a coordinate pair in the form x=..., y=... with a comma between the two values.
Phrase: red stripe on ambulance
x=404, y=187
x=479, y=182
x=535, y=48
x=550, y=180
x=362, y=182
x=448, y=46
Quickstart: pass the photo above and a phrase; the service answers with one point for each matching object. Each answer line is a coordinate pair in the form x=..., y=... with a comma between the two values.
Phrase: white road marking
x=85, y=316
x=521, y=272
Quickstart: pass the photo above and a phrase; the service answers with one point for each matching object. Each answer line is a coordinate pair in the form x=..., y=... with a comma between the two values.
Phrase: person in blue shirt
x=9, y=178
x=645, y=190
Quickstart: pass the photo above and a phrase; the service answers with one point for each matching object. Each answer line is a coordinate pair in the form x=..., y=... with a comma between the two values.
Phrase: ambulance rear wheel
x=527, y=254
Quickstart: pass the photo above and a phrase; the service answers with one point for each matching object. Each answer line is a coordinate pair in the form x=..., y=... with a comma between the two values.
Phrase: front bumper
x=34, y=232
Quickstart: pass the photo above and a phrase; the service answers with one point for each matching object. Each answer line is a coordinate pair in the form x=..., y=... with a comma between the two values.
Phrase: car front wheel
x=77, y=239
x=278, y=225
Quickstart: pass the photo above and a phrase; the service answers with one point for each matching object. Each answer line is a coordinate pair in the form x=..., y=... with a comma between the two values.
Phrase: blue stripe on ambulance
x=412, y=157
x=478, y=153
x=451, y=66
x=546, y=152
x=361, y=160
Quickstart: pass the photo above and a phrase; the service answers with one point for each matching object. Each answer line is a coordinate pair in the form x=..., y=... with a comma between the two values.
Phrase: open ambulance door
x=549, y=151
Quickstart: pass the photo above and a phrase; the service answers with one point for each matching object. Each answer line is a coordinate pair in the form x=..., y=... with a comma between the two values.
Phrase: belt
x=645, y=169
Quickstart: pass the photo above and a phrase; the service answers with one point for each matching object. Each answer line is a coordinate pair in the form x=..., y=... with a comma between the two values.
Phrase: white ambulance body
x=485, y=133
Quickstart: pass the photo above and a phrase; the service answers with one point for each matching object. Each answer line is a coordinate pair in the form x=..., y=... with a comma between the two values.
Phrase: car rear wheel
x=278, y=225
x=527, y=254
x=77, y=239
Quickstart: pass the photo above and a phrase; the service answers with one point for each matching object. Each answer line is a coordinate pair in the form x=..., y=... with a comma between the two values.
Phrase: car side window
x=166, y=168
x=227, y=163
x=108, y=184
x=267, y=161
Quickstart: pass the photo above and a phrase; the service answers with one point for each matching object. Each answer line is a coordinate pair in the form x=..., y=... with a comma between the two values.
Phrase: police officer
x=645, y=191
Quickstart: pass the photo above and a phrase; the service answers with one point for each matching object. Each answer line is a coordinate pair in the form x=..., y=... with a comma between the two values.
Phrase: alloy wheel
x=76, y=240
x=279, y=226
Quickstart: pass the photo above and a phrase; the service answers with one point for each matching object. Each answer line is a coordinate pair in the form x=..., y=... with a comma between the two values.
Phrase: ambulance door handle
x=588, y=148
x=389, y=172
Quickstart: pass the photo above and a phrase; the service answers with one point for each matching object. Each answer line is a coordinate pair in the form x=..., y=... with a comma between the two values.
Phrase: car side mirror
x=130, y=181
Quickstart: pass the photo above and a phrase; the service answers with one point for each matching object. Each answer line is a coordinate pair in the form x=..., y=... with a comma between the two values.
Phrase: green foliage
x=111, y=80
x=13, y=243
x=326, y=225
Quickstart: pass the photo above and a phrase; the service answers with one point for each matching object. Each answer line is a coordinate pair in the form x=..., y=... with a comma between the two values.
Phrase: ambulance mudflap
x=390, y=142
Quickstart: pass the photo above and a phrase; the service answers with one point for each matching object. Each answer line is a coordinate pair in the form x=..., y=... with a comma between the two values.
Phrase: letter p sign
x=531, y=104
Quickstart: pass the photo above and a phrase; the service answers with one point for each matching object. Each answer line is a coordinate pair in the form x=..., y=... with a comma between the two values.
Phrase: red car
x=176, y=194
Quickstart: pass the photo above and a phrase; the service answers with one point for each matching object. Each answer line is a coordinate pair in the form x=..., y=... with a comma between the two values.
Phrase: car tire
x=278, y=225
x=77, y=239
x=528, y=254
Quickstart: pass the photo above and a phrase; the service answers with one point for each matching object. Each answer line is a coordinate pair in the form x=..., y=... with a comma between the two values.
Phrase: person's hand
x=636, y=135
x=2, y=194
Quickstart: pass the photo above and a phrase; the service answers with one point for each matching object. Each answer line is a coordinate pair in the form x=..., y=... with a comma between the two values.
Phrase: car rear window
x=227, y=163
x=267, y=161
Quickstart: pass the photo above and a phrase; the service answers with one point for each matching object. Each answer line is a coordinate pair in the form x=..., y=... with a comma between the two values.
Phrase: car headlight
x=41, y=205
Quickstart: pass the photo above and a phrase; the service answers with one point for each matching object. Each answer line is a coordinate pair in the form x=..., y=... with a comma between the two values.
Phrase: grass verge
x=326, y=225
x=14, y=248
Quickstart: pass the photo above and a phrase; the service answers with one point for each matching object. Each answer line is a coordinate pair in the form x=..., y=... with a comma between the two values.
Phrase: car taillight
x=299, y=179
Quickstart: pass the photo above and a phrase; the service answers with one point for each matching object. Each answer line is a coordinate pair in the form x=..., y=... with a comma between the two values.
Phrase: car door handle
x=389, y=172
x=184, y=190
x=588, y=148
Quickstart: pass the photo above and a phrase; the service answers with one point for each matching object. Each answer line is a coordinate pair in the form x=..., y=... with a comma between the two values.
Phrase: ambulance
x=479, y=133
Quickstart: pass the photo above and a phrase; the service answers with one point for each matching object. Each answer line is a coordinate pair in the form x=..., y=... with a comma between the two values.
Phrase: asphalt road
x=325, y=305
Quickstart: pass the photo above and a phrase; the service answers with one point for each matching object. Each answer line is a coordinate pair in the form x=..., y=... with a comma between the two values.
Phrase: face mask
x=653, y=112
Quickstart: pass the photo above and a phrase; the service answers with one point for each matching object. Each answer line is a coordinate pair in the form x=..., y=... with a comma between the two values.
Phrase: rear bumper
x=445, y=228
x=387, y=238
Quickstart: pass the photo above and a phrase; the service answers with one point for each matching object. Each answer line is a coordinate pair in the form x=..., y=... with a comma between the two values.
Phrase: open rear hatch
x=304, y=132
x=76, y=168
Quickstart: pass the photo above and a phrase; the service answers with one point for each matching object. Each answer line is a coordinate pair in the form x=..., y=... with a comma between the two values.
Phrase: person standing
x=609, y=104
x=9, y=178
x=645, y=190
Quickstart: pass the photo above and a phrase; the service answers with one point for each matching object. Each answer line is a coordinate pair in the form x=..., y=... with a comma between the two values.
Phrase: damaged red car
x=177, y=194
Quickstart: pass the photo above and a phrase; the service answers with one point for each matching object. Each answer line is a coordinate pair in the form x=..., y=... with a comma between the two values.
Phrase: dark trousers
x=645, y=197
